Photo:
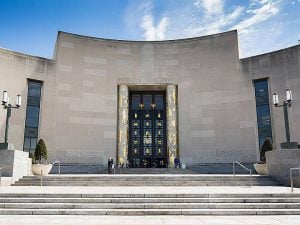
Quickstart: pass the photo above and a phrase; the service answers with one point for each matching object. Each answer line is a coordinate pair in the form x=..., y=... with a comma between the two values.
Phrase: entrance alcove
x=147, y=125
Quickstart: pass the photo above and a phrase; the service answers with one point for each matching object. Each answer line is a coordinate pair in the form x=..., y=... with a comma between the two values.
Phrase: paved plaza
x=151, y=220
x=149, y=190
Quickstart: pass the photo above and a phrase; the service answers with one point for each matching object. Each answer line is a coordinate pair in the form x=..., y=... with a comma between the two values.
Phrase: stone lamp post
x=7, y=105
x=288, y=144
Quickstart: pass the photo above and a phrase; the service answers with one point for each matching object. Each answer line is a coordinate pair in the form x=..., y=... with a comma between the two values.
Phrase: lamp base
x=7, y=146
x=289, y=145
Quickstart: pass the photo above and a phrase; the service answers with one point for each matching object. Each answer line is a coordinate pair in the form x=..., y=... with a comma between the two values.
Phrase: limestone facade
x=84, y=115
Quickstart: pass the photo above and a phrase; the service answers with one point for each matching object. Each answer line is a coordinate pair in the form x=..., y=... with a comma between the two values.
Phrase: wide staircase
x=149, y=194
x=149, y=204
x=147, y=180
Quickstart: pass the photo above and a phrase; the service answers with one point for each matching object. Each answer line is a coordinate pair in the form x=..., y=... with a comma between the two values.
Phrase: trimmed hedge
x=267, y=146
x=41, y=153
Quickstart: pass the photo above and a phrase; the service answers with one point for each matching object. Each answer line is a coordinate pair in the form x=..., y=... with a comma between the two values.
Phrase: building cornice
x=267, y=54
x=15, y=53
x=145, y=42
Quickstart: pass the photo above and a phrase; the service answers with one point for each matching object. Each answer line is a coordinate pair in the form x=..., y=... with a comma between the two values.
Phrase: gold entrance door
x=147, y=130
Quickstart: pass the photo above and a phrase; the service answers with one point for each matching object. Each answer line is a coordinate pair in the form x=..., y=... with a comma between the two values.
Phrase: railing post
x=233, y=169
x=59, y=168
x=41, y=178
x=291, y=178
x=250, y=178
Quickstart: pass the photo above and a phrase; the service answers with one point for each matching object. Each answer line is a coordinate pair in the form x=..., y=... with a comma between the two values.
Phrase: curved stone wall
x=215, y=117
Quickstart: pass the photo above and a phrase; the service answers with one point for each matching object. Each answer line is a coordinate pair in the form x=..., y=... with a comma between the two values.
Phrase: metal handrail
x=291, y=177
x=58, y=166
x=244, y=167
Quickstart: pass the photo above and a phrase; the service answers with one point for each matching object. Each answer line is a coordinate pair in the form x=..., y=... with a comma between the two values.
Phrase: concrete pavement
x=149, y=189
x=150, y=220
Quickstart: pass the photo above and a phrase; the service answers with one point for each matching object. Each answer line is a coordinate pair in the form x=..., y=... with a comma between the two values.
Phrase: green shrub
x=267, y=146
x=40, y=153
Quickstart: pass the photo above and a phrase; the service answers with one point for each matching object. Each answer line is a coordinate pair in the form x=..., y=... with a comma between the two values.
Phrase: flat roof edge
x=142, y=41
x=279, y=51
x=12, y=52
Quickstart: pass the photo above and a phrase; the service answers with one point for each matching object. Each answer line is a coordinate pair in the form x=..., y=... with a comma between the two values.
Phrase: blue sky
x=30, y=26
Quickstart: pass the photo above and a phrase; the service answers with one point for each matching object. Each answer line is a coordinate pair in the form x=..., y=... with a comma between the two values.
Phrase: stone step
x=107, y=182
x=147, y=184
x=147, y=180
x=137, y=212
x=150, y=171
x=150, y=195
x=149, y=200
x=149, y=177
x=150, y=206
x=178, y=179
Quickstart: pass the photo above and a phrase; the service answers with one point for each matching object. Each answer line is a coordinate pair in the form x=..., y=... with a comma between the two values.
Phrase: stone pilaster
x=171, y=123
x=123, y=124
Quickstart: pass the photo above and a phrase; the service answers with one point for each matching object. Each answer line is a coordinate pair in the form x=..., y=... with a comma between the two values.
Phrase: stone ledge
x=279, y=163
x=14, y=163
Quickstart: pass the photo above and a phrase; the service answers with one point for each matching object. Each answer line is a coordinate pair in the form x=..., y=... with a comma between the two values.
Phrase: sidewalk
x=150, y=220
x=150, y=190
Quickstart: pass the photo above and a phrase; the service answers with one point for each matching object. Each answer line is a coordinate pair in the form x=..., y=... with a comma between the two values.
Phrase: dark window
x=159, y=101
x=32, y=115
x=136, y=101
x=147, y=100
x=263, y=111
x=34, y=89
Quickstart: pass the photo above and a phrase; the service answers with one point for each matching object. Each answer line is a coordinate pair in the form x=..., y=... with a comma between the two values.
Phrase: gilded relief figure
x=172, y=139
x=124, y=153
x=174, y=97
x=170, y=112
x=126, y=137
x=124, y=117
x=121, y=101
x=173, y=123
x=123, y=124
x=123, y=137
x=120, y=136
x=171, y=157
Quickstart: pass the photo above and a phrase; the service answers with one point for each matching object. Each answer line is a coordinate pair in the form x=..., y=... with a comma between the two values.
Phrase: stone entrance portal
x=147, y=125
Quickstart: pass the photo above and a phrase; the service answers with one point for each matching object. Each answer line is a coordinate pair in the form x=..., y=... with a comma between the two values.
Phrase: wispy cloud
x=213, y=22
x=140, y=18
x=152, y=32
x=259, y=11
x=252, y=19
x=212, y=7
